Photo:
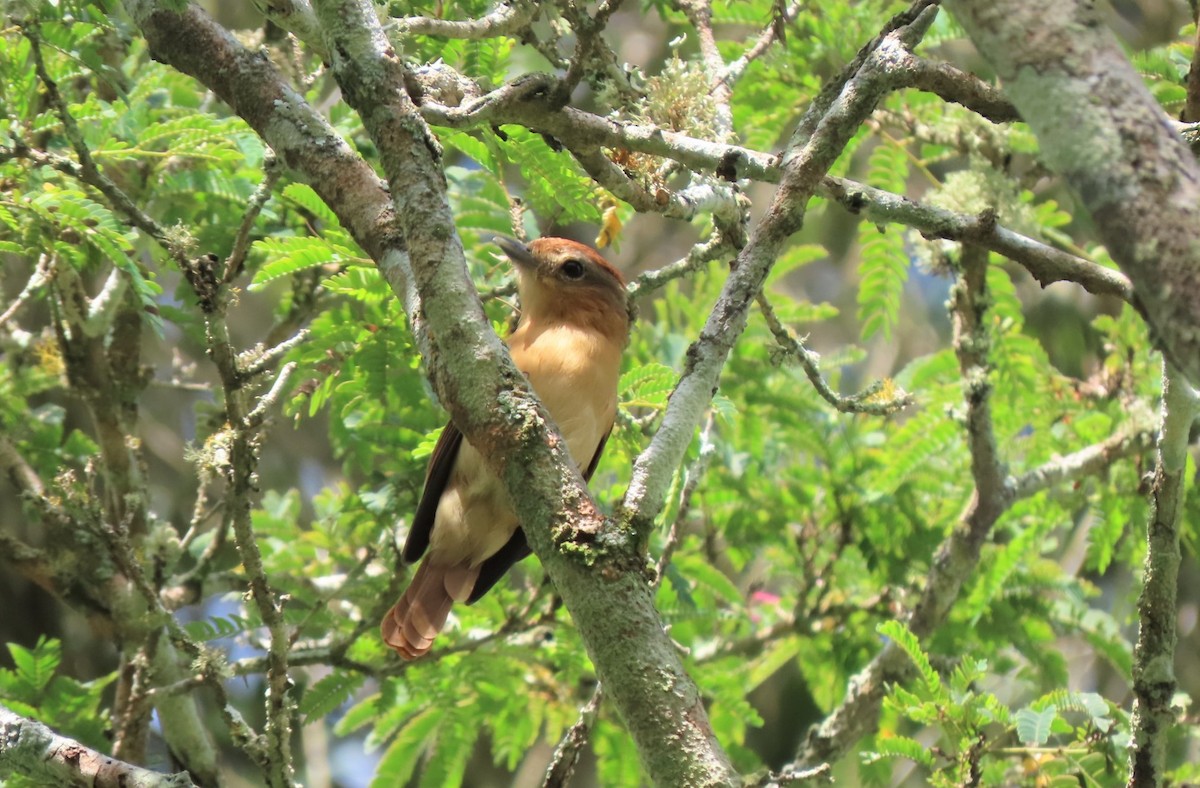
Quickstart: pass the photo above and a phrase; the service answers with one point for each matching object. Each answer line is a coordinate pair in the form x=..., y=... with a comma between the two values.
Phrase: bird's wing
x=516, y=548
x=441, y=463
x=492, y=569
x=587, y=474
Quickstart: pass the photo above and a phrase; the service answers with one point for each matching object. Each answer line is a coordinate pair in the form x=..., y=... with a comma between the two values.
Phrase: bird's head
x=563, y=281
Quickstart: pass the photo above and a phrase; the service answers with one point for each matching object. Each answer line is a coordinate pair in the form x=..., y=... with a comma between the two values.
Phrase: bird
x=573, y=327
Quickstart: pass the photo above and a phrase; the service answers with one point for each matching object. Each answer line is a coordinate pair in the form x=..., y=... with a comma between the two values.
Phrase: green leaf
x=287, y=255
x=899, y=747
x=909, y=644
x=327, y=694
x=455, y=742
x=705, y=575
x=1033, y=727
x=402, y=755
x=774, y=657
x=647, y=386
x=883, y=267
x=302, y=195
x=36, y=667
x=218, y=627
x=360, y=714
x=362, y=283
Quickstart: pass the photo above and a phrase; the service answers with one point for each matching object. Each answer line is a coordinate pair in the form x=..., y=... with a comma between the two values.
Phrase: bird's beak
x=517, y=252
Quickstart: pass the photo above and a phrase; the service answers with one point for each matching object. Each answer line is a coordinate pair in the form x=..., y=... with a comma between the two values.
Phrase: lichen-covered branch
x=1045, y=263
x=507, y=19
x=959, y=87
x=243, y=423
x=566, y=754
x=524, y=102
x=1154, y=682
x=1141, y=184
x=30, y=749
x=492, y=405
x=1081, y=464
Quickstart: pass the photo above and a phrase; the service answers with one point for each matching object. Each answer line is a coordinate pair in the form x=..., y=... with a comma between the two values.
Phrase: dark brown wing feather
x=441, y=462
x=587, y=474
x=516, y=548
x=492, y=569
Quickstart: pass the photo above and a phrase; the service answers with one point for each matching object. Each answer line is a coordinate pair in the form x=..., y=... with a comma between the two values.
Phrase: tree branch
x=472, y=372
x=506, y=20
x=523, y=102
x=1154, y=682
x=804, y=165
x=959, y=87
x=30, y=749
x=874, y=399
x=1141, y=185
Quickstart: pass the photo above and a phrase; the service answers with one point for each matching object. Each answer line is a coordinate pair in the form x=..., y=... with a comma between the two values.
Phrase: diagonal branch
x=804, y=165
x=874, y=399
x=30, y=749
x=734, y=71
x=488, y=398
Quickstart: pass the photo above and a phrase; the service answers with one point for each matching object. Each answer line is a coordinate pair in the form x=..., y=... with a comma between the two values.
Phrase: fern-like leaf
x=327, y=694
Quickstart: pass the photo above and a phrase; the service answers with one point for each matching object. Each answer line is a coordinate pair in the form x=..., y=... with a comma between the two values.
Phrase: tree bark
x=1066, y=73
x=32, y=750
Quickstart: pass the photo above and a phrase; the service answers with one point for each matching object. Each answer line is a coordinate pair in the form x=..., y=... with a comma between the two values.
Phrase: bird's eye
x=573, y=269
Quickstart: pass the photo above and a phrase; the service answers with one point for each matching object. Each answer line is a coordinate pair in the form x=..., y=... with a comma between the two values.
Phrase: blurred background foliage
x=809, y=532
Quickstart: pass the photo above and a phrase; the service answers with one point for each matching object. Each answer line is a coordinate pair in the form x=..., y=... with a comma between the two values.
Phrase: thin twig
x=876, y=399
x=697, y=257
x=241, y=239
x=770, y=34
x=42, y=274
x=570, y=746
x=692, y=476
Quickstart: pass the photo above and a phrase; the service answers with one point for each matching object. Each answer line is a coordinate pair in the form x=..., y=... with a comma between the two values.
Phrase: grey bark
x=30, y=749
x=1068, y=77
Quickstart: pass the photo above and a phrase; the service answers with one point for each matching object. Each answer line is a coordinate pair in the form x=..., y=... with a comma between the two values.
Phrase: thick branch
x=959, y=87
x=507, y=19
x=472, y=372
x=1072, y=81
x=1045, y=263
x=30, y=749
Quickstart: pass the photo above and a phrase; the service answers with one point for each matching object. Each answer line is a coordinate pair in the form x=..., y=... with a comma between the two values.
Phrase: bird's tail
x=413, y=622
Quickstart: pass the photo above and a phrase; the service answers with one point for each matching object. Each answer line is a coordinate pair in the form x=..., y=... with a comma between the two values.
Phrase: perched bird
x=574, y=324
